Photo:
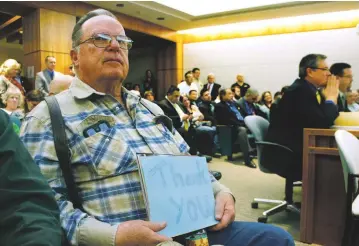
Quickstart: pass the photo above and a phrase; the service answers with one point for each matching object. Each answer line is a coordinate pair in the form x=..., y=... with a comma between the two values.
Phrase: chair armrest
x=265, y=143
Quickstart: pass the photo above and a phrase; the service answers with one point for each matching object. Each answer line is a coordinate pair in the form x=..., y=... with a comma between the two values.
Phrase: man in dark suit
x=181, y=121
x=43, y=78
x=206, y=106
x=212, y=87
x=227, y=113
x=302, y=106
x=344, y=74
x=247, y=104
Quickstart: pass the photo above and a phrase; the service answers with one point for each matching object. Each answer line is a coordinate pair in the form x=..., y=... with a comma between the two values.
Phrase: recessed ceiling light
x=120, y=5
x=160, y=18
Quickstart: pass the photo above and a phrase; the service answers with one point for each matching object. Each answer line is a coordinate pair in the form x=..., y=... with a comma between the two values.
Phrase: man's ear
x=309, y=72
x=74, y=57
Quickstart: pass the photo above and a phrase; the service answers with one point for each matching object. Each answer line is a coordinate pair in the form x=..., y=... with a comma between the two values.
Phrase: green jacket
x=29, y=214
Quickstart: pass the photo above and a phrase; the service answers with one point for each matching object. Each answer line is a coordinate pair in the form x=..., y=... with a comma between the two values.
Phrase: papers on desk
x=178, y=190
x=347, y=119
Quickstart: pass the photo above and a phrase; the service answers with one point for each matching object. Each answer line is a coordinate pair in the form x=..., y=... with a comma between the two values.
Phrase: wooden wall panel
x=166, y=70
x=55, y=31
x=31, y=32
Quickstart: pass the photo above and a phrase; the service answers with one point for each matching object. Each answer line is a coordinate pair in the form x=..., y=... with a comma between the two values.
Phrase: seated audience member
x=206, y=106
x=242, y=85
x=247, y=104
x=13, y=101
x=266, y=99
x=60, y=83
x=205, y=132
x=32, y=99
x=193, y=97
x=44, y=78
x=227, y=113
x=136, y=89
x=187, y=85
x=8, y=72
x=344, y=74
x=196, y=72
x=212, y=86
x=29, y=213
x=116, y=215
x=317, y=91
x=350, y=101
x=236, y=93
x=149, y=95
x=277, y=96
x=274, y=106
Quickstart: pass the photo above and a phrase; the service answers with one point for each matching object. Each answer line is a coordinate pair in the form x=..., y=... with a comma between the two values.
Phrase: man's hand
x=139, y=232
x=225, y=211
x=185, y=117
x=331, y=91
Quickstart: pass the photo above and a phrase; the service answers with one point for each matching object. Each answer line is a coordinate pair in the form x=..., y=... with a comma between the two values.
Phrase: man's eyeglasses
x=320, y=68
x=102, y=40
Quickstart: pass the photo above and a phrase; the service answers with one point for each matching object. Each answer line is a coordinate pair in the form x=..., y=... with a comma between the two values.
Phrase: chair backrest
x=348, y=146
x=259, y=128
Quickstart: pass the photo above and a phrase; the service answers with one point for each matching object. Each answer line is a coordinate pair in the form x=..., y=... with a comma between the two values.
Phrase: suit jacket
x=205, y=108
x=43, y=79
x=244, y=112
x=215, y=90
x=224, y=115
x=342, y=105
x=296, y=110
x=171, y=112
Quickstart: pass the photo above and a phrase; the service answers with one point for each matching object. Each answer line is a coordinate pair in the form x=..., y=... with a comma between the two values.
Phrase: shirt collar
x=312, y=87
x=81, y=90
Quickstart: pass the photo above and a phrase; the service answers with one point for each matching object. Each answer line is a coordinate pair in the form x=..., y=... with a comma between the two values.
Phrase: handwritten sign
x=178, y=190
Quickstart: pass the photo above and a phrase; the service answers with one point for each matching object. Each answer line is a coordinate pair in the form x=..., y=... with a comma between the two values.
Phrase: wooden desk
x=323, y=193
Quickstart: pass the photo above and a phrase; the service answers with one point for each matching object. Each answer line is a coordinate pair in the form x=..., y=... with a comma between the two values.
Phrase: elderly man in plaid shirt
x=103, y=162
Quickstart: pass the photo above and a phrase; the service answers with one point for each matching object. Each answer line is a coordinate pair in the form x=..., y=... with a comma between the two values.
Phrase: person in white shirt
x=187, y=85
x=352, y=105
x=196, y=78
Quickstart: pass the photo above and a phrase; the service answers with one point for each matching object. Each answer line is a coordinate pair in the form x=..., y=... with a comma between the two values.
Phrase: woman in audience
x=8, y=72
x=266, y=99
x=13, y=101
x=136, y=89
x=205, y=132
x=32, y=99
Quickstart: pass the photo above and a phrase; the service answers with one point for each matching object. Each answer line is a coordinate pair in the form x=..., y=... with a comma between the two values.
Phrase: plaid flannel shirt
x=103, y=164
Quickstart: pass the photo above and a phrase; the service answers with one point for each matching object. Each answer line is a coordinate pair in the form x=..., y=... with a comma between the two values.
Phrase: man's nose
x=114, y=45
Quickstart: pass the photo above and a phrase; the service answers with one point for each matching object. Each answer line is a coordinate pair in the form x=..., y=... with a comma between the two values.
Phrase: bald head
x=60, y=83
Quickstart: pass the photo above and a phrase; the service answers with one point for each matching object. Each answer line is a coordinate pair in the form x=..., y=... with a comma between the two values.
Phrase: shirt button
x=117, y=108
x=107, y=139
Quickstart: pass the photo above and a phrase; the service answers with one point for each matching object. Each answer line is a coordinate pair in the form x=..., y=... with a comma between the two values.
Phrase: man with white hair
x=105, y=126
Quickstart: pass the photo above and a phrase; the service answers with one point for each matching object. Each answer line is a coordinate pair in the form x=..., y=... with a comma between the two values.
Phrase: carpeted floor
x=247, y=183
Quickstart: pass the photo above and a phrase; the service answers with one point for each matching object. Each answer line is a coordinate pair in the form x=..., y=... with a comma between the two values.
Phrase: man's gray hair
x=251, y=92
x=210, y=74
x=309, y=61
x=77, y=32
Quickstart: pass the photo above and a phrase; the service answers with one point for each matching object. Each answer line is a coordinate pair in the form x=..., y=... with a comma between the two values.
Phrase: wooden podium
x=323, y=193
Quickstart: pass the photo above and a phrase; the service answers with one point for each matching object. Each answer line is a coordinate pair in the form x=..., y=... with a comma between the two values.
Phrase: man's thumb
x=154, y=226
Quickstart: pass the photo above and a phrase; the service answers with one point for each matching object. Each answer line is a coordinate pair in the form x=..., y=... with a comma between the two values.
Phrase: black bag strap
x=62, y=150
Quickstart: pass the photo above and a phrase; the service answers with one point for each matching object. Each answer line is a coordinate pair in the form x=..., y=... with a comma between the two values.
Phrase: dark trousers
x=248, y=234
x=242, y=139
x=190, y=138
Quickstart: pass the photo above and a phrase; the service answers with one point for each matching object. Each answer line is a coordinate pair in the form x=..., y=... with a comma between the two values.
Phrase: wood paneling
x=166, y=69
x=46, y=33
x=179, y=61
x=128, y=22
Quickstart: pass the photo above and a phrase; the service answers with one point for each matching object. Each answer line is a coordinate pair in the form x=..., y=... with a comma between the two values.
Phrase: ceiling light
x=277, y=22
x=160, y=18
x=205, y=7
x=20, y=31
